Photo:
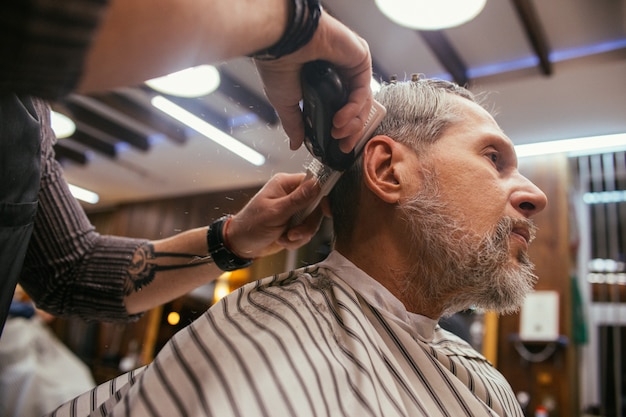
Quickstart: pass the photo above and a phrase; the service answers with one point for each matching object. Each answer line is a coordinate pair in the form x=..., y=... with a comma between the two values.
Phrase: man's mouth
x=523, y=232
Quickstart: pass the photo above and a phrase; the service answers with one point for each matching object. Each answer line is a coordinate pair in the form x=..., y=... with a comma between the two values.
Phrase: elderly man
x=433, y=219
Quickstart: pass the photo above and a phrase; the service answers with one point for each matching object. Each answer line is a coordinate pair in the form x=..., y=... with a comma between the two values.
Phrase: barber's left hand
x=262, y=227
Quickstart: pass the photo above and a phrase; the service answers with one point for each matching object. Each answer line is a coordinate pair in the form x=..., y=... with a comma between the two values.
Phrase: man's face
x=470, y=218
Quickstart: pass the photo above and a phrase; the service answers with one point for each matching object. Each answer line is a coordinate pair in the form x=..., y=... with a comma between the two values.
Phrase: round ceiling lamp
x=430, y=14
x=191, y=82
x=62, y=125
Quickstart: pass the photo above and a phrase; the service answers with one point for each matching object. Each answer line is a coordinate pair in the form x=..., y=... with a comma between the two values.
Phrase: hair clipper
x=323, y=95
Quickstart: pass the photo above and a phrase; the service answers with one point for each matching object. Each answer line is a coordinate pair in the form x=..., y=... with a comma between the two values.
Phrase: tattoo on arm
x=145, y=265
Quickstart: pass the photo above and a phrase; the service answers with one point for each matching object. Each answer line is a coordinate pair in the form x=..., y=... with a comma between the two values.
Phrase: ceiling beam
x=103, y=118
x=63, y=152
x=199, y=109
x=247, y=99
x=146, y=116
x=535, y=33
x=96, y=140
x=446, y=54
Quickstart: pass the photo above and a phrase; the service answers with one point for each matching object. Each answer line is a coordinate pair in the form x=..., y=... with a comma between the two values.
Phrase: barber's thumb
x=306, y=192
x=305, y=231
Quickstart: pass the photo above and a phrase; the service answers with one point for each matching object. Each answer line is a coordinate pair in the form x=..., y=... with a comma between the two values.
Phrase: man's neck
x=387, y=260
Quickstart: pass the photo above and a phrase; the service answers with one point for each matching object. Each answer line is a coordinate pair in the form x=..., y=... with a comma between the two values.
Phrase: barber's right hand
x=349, y=53
x=263, y=227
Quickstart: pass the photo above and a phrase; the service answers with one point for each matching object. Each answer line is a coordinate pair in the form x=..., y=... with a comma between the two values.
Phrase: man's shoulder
x=312, y=291
x=314, y=280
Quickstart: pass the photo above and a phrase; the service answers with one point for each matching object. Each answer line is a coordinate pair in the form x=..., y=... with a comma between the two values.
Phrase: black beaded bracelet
x=220, y=253
x=300, y=29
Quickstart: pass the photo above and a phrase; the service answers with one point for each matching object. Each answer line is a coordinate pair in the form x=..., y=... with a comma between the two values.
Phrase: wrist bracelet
x=222, y=256
x=300, y=29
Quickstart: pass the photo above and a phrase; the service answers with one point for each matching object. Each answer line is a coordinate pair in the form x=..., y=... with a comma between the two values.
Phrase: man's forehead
x=471, y=115
x=468, y=123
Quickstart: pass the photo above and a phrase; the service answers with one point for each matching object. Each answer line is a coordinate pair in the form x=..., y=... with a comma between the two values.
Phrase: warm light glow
x=575, y=147
x=222, y=287
x=62, y=125
x=211, y=132
x=84, y=195
x=191, y=82
x=173, y=318
x=430, y=14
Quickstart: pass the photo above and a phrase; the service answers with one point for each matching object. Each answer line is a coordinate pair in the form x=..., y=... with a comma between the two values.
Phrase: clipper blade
x=374, y=118
x=328, y=177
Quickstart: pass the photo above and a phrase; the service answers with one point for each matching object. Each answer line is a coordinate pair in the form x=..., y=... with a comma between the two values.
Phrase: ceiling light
x=191, y=82
x=430, y=14
x=605, y=197
x=575, y=147
x=83, y=194
x=210, y=131
x=62, y=125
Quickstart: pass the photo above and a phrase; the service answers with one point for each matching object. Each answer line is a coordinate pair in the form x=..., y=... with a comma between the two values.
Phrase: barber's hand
x=336, y=43
x=262, y=227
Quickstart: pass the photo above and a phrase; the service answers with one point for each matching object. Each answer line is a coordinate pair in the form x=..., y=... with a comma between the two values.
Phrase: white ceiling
x=583, y=96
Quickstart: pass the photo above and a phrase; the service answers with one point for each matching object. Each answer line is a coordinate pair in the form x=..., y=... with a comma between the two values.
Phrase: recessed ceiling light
x=575, y=147
x=191, y=82
x=62, y=125
x=430, y=14
x=84, y=194
x=211, y=132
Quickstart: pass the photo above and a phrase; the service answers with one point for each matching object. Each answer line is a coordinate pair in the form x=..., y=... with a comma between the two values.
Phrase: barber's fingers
x=350, y=54
x=293, y=125
x=302, y=195
x=301, y=234
x=282, y=196
x=299, y=195
x=281, y=82
x=349, y=122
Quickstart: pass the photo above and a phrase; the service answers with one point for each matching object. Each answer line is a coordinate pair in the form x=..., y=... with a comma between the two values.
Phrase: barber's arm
x=72, y=270
x=179, y=264
x=51, y=49
x=141, y=39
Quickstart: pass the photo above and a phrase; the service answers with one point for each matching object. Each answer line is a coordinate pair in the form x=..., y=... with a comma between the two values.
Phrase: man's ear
x=381, y=175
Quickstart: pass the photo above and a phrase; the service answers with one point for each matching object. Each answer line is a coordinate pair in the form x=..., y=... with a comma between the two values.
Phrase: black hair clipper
x=323, y=95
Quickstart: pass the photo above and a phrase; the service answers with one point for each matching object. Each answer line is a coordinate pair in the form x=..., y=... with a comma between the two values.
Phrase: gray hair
x=418, y=112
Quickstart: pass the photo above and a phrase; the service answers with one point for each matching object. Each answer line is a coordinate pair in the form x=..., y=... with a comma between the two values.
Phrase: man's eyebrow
x=496, y=138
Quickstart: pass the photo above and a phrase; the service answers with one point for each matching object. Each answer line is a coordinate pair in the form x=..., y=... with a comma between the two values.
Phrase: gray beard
x=458, y=269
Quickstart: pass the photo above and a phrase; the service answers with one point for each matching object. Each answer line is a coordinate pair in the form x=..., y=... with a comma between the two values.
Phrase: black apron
x=20, y=159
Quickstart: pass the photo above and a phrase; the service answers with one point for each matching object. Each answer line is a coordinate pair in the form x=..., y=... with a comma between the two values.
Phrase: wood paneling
x=554, y=379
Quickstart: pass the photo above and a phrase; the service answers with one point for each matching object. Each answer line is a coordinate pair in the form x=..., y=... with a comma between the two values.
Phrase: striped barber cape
x=325, y=340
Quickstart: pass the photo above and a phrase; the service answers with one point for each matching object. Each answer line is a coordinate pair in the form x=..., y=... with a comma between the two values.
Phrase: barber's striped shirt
x=326, y=340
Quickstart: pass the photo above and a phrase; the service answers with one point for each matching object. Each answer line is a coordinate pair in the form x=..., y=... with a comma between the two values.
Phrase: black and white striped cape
x=326, y=340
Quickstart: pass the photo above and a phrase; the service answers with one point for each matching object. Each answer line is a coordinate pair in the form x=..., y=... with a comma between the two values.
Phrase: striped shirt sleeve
x=70, y=269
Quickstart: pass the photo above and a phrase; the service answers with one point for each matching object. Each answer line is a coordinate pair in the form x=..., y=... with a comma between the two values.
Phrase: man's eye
x=494, y=157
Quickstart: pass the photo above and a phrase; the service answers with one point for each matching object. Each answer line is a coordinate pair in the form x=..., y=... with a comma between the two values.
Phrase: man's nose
x=528, y=198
